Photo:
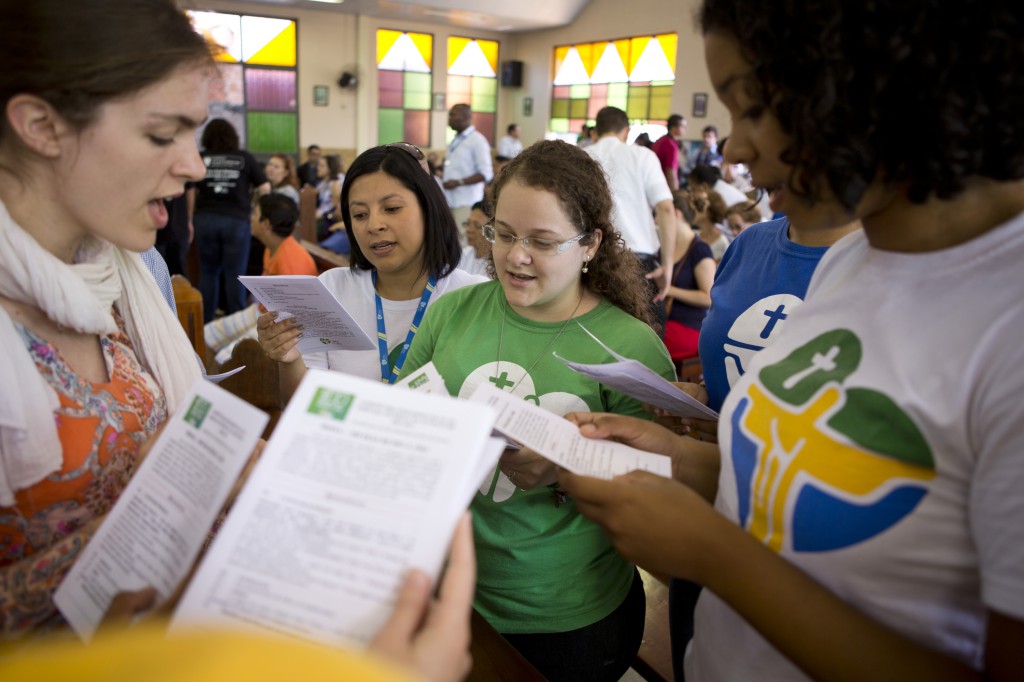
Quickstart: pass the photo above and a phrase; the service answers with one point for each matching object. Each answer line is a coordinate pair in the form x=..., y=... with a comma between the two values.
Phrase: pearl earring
x=586, y=261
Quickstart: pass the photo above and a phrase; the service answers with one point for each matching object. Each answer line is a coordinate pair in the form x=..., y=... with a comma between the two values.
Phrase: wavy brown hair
x=579, y=182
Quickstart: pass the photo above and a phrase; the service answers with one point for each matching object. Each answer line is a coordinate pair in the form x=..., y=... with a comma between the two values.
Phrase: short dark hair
x=281, y=211
x=674, y=120
x=312, y=147
x=709, y=129
x=918, y=96
x=705, y=174
x=79, y=55
x=580, y=184
x=511, y=127
x=441, y=250
x=220, y=136
x=611, y=120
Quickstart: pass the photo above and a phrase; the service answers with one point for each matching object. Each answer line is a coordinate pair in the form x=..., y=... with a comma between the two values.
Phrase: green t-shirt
x=541, y=568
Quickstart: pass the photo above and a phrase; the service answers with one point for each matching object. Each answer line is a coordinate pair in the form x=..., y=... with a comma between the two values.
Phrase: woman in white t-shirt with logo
x=868, y=519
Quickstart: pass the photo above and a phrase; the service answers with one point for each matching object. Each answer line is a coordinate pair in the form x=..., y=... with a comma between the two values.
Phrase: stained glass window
x=404, y=86
x=473, y=80
x=257, y=88
x=633, y=74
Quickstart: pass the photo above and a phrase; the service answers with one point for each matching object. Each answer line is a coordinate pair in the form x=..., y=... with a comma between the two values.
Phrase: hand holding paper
x=560, y=441
x=325, y=322
x=638, y=381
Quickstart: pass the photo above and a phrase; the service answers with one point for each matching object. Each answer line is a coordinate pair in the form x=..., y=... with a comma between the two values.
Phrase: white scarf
x=78, y=297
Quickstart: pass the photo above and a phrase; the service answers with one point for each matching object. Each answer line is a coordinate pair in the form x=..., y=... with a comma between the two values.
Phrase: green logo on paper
x=324, y=340
x=419, y=381
x=331, y=403
x=197, y=412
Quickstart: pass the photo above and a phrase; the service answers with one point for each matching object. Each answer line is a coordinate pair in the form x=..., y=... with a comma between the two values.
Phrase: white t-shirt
x=510, y=147
x=468, y=154
x=883, y=433
x=472, y=263
x=638, y=185
x=354, y=288
x=730, y=194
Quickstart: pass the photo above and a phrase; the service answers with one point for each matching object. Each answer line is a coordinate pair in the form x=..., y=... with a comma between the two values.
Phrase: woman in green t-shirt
x=548, y=579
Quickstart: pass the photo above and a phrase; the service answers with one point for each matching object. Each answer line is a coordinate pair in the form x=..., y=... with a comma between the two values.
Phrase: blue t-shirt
x=761, y=279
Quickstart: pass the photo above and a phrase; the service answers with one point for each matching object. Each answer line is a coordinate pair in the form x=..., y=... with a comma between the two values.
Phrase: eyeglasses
x=541, y=247
x=410, y=149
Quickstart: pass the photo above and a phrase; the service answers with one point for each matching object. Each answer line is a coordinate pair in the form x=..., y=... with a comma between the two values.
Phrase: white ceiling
x=493, y=15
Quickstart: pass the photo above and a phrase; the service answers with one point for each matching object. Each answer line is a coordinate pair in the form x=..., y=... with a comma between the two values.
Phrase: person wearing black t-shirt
x=221, y=216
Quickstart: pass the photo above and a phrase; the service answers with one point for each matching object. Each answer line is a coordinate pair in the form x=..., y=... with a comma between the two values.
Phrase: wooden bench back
x=189, y=302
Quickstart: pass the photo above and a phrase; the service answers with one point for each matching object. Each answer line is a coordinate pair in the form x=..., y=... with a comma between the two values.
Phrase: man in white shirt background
x=467, y=165
x=638, y=186
x=510, y=146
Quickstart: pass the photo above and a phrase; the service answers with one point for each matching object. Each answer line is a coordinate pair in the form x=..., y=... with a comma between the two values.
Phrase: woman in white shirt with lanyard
x=405, y=251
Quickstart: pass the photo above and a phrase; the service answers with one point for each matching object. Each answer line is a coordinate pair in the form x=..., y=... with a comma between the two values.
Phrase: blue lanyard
x=382, y=334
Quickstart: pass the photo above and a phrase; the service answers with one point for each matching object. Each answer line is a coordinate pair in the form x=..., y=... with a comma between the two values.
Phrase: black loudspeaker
x=512, y=73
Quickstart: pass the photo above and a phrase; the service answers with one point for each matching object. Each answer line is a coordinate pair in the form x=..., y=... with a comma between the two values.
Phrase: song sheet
x=360, y=482
x=639, y=381
x=326, y=324
x=559, y=440
x=153, y=534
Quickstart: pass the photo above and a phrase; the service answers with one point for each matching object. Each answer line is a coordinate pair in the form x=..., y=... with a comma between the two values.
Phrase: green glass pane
x=618, y=101
x=661, y=106
x=560, y=108
x=485, y=86
x=617, y=91
x=272, y=132
x=663, y=83
x=579, y=91
x=559, y=125
x=416, y=100
x=484, y=104
x=390, y=125
x=638, y=102
x=417, y=82
x=578, y=108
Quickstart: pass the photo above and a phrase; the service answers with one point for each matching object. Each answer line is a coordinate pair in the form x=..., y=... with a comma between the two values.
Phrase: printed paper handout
x=359, y=483
x=559, y=440
x=326, y=324
x=155, y=531
x=639, y=381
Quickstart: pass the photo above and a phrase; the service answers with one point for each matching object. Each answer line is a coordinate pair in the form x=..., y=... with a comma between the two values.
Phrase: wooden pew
x=494, y=659
x=654, y=660
x=325, y=259
x=189, y=303
x=306, y=229
x=258, y=384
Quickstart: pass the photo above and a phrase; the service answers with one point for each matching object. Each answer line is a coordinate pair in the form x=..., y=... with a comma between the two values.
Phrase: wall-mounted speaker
x=512, y=73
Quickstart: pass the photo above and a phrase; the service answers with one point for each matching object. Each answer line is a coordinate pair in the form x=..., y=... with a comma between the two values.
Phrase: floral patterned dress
x=101, y=427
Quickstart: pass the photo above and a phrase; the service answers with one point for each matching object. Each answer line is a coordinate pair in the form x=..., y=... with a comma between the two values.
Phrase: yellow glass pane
x=279, y=51
x=385, y=41
x=669, y=43
x=425, y=44
x=490, y=50
x=636, y=48
x=455, y=47
x=560, y=53
x=589, y=54
x=622, y=47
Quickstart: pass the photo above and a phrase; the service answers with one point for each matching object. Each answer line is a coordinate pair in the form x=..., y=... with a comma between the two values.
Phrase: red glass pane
x=417, y=128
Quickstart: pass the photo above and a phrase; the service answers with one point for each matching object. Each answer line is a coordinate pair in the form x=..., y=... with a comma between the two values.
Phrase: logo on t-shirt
x=508, y=376
x=821, y=465
x=756, y=329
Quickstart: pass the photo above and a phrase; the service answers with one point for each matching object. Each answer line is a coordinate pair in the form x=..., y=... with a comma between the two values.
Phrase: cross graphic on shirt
x=501, y=381
x=819, y=363
x=774, y=317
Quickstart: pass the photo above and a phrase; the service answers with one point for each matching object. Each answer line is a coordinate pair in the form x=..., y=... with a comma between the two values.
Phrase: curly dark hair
x=920, y=97
x=578, y=181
